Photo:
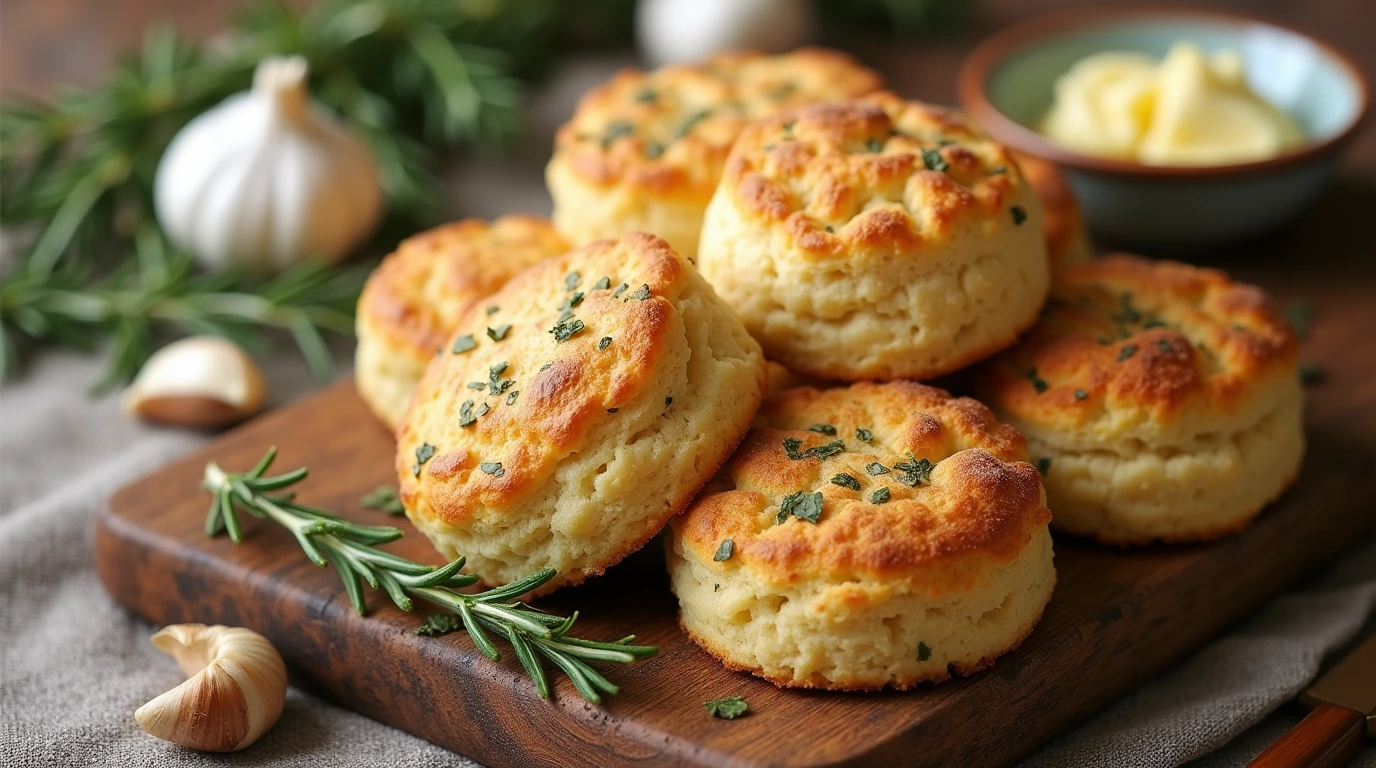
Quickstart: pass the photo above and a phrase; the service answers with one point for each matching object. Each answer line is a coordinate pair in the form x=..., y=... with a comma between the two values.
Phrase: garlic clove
x=234, y=692
x=203, y=381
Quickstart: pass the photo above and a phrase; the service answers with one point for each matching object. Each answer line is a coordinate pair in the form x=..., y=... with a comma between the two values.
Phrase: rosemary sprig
x=351, y=549
x=161, y=293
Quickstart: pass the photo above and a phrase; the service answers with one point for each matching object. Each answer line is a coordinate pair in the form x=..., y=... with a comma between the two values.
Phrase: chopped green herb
x=654, y=150
x=727, y=708
x=1127, y=313
x=493, y=468
x=782, y=92
x=1038, y=383
x=1019, y=215
x=864, y=435
x=874, y=145
x=423, y=454
x=642, y=293
x=923, y=652
x=602, y=284
x=572, y=280
x=999, y=170
x=1044, y=465
x=914, y=472
x=620, y=290
x=668, y=401
x=384, y=498
x=875, y=468
x=802, y=505
x=788, y=126
x=823, y=429
x=613, y=410
x=1312, y=374
x=1164, y=346
x=615, y=131
x=567, y=329
x=880, y=496
x=482, y=408
x=829, y=229
x=464, y=344
x=511, y=396
x=1127, y=351
x=477, y=385
x=724, y=550
x=824, y=451
x=935, y=162
x=846, y=481
x=575, y=299
x=492, y=309
x=1080, y=394
x=498, y=333
x=692, y=120
x=769, y=147
x=1300, y=314
x=791, y=446
x=466, y=417
x=604, y=342
x=646, y=95
x=496, y=384
x=440, y=624
x=545, y=367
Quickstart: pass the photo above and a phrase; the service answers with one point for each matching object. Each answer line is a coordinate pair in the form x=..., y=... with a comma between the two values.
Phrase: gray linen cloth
x=74, y=666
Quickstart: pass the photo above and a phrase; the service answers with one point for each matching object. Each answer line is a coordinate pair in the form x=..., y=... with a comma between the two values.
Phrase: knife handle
x=1329, y=737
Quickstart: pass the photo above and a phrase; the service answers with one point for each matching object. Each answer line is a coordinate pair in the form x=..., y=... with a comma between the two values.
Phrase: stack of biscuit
x=751, y=265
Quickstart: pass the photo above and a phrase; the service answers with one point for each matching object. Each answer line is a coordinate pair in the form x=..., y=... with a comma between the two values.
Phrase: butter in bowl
x=1176, y=128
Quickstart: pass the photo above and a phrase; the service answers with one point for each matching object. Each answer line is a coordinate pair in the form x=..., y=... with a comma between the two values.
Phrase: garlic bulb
x=691, y=31
x=267, y=178
x=202, y=381
x=235, y=688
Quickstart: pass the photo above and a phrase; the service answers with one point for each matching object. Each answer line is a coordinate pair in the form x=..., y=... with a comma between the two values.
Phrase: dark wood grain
x=1329, y=737
x=1117, y=619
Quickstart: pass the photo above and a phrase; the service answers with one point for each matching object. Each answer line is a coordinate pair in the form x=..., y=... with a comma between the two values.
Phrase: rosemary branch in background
x=76, y=173
x=351, y=549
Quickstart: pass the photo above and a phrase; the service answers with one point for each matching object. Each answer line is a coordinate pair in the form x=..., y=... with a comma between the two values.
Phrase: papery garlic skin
x=234, y=692
x=267, y=179
x=202, y=381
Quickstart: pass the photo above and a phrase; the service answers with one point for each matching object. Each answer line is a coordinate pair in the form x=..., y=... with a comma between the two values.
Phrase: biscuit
x=414, y=299
x=1067, y=241
x=868, y=536
x=643, y=152
x=1162, y=401
x=875, y=239
x=617, y=387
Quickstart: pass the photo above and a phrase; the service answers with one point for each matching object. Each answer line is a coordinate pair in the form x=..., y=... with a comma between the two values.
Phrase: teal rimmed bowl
x=1006, y=85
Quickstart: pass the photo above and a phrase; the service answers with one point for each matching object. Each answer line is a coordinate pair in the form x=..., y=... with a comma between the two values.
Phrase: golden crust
x=873, y=175
x=563, y=388
x=982, y=504
x=1158, y=338
x=417, y=295
x=667, y=132
x=1067, y=242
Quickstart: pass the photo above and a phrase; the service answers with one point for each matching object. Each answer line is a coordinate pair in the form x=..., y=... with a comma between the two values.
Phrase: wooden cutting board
x=1117, y=619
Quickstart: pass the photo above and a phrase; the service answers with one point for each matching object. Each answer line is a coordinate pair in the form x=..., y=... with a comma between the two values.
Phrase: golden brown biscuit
x=1067, y=241
x=414, y=299
x=862, y=537
x=644, y=151
x=619, y=386
x=875, y=239
x=1161, y=400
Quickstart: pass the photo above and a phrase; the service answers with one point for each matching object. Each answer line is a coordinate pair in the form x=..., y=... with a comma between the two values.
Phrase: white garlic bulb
x=691, y=31
x=201, y=381
x=267, y=178
x=234, y=692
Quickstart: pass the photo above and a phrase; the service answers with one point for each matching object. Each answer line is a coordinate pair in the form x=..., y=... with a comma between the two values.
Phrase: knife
x=1344, y=702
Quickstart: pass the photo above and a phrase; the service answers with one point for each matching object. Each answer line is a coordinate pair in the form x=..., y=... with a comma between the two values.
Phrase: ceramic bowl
x=1006, y=85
